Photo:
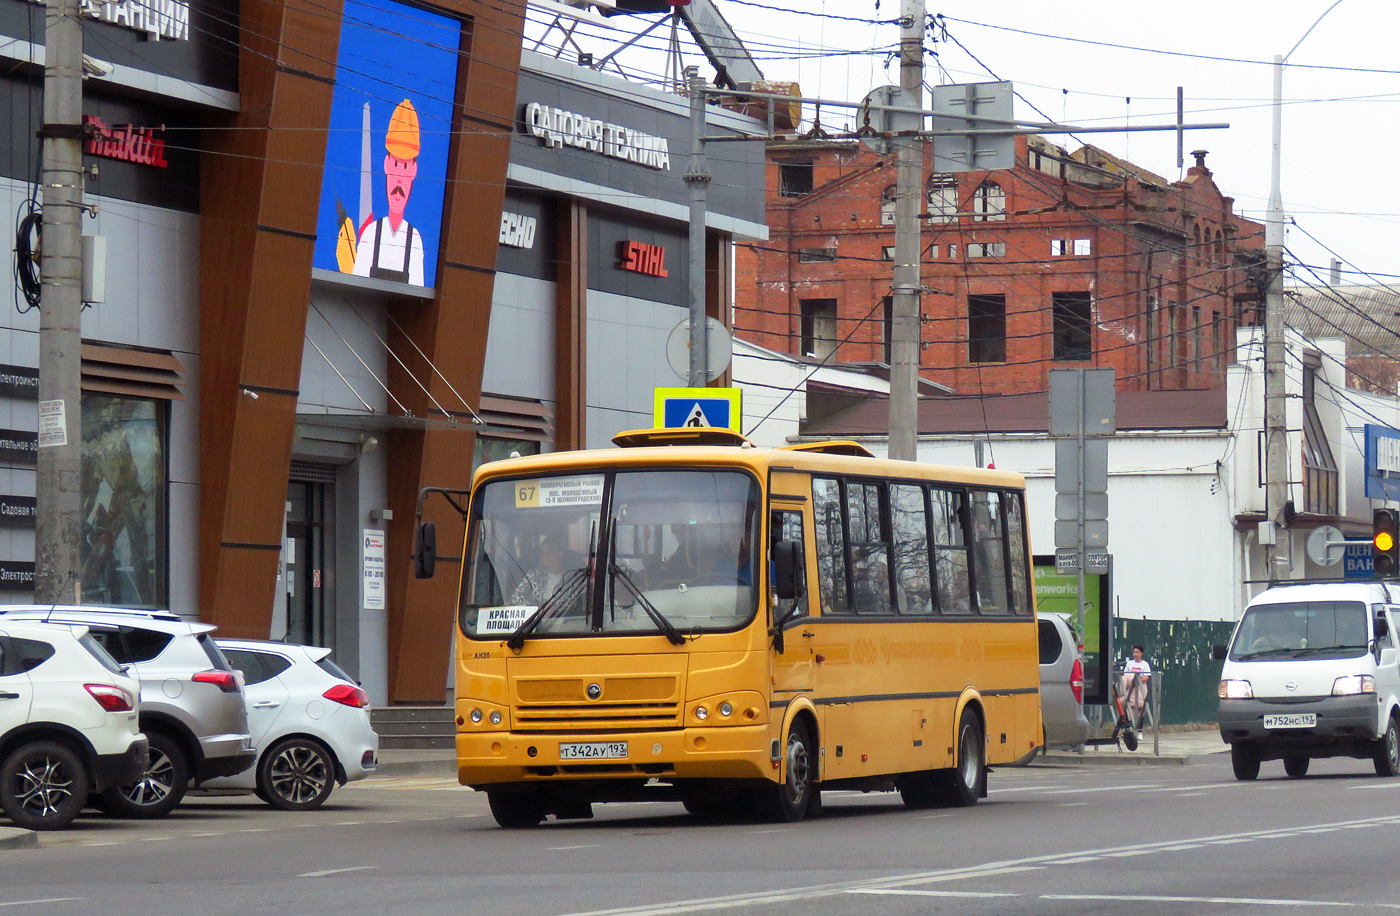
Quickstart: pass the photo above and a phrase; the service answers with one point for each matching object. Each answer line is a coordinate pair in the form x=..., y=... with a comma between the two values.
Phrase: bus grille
x=595, y=717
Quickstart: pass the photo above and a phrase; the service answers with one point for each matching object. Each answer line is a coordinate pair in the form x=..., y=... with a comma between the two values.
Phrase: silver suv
x=1061, y=683
x=191, y=707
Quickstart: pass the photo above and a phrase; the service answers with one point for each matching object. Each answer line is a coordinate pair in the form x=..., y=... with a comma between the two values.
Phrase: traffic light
x=1385, y=542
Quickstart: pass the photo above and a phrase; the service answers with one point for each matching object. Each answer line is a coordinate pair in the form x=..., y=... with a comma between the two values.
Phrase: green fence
x=1180, y=650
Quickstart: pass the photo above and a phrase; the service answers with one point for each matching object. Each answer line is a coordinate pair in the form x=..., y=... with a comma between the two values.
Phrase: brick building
x=1062, y=261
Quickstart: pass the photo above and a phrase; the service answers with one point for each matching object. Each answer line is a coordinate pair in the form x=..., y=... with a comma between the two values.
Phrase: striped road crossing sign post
x=721, y=408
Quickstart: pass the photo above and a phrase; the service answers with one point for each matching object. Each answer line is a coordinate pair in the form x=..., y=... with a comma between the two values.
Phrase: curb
x=15, y=838
x=400, y=769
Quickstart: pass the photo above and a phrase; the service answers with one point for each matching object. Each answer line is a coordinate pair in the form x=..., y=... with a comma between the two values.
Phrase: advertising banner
x=386, y=154
x=1059, y=594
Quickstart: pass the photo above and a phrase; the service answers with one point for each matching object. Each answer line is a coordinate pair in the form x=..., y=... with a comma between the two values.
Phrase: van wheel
x=1387, y=757
x=1245, y=761
x=43, y=786
x=1296, y=766
x=158, y=790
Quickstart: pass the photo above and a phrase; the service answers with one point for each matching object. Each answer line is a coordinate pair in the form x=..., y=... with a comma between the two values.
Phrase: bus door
x=793, y=668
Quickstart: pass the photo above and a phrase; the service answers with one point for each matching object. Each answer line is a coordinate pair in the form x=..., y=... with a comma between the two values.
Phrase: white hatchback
x=68, y=723
x=309, y=722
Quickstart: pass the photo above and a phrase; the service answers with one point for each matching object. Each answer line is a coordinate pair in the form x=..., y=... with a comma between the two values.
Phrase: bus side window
x=786, y=525
x=989, y=546
x=831, y=545
x=1016, y=543
x=870, y=549
x=950, y=551
x=913, y=586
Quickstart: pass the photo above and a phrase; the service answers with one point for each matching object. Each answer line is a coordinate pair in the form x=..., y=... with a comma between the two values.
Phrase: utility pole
x=57, y=530
x=1275, y=410
x=697, y=178
x=904, y=332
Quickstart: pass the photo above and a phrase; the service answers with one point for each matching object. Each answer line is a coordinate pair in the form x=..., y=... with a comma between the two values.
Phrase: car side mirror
x=425, y=550
x=789, y=582
x=1382, y=625
x=1219, y=651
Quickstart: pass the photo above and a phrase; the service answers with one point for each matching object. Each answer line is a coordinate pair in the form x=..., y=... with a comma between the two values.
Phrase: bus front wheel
x=791, y=799
x=516, y=809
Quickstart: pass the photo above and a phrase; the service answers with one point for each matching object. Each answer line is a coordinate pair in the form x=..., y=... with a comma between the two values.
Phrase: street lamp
x=1275, y=416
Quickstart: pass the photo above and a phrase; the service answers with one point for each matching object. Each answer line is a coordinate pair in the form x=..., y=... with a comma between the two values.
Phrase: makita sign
x=124, y=142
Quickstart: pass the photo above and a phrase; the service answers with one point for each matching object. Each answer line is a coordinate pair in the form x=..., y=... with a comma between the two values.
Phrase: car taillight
x=1076, y=682
x=112, y=698
x=226, y=681
x=347, y=695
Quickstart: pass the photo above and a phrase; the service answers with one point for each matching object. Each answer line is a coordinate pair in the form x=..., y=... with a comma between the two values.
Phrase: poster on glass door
x=373, y=565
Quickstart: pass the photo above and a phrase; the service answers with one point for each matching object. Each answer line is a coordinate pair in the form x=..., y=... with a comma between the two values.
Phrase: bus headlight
x=702, y=713
x=476, y=716
x=726, y=709
x=1353, y=685
x=496, y=718
x=1235, y=690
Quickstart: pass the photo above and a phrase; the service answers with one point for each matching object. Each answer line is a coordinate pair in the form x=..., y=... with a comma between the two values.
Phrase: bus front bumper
x=731, y=752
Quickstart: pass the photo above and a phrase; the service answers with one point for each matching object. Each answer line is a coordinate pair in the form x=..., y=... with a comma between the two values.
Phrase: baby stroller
x=1130, y=699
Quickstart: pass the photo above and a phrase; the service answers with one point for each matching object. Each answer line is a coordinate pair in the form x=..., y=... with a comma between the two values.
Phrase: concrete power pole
x=57, y=531
x=905, y=335
x=1275, y=411
x=697, y=179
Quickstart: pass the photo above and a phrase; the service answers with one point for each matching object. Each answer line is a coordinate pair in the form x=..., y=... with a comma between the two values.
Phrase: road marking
x=1145, y=785
x=254, y=829
x=1181, y=846
x=929, y=817
x=348, y=823
x=1071, y=804
x=774, y=830
x=1078, y=859
x=1189, y=794
x=105, y=843
x=45, y=900
x=989, y=869
x=1239, y=901
x=336, y=871
x=1130, y=852
x=584, y=846
x=897, y=892
x=153, y=839
x=1209, y=785
x=1383, y=785
x=1000, y=790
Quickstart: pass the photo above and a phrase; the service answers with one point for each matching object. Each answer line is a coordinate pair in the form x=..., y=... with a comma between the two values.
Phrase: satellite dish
x=721, y=347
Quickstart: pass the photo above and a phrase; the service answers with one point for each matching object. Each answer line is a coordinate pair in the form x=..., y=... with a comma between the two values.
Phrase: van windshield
x=1304, y=629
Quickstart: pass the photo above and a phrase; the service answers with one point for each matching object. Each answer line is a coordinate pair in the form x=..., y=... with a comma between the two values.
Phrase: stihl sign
x=639, y=257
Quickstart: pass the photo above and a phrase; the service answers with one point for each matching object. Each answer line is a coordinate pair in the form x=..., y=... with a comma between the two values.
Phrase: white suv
x=68, y=723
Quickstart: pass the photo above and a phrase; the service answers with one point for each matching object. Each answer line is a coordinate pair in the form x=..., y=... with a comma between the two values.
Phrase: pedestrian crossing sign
x=677, y=408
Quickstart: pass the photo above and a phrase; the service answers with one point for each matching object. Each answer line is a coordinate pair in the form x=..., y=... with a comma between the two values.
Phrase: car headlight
x=1353, y=685
x=1235, y=689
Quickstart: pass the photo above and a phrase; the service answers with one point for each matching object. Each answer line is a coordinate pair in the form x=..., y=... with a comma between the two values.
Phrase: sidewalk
x=1177, y=748
x=401, y=764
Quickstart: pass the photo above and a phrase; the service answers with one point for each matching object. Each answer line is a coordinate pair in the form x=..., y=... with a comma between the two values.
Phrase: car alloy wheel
x=44, y=786
x=296, y=774
x=158, y=790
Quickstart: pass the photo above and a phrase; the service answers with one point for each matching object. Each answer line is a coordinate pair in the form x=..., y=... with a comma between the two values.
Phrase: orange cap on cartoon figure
x=402, y=138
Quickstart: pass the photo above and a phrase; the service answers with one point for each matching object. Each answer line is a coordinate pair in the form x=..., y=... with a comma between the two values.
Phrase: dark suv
x=191, y=709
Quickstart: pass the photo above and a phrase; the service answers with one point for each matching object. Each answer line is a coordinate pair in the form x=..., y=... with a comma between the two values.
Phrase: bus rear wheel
x=968, y=780
x=516, y=809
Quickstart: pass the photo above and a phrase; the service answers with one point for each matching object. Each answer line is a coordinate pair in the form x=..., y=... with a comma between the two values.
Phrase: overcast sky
x=1339, y=124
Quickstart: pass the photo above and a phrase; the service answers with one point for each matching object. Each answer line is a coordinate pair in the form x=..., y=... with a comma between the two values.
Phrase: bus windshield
x=1303, y=629
x=612, y=553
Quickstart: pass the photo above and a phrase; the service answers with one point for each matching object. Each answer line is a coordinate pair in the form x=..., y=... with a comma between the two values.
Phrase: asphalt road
x=1048, y=840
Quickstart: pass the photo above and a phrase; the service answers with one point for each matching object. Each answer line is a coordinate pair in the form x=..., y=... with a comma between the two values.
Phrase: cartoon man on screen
x=390, y=248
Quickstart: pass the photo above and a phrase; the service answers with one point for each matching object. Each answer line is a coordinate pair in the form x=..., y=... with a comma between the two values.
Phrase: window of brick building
x=986, y=249
x=887, y=328
x=887, y=252
x=1072, y=325
x=887, y=204
x=818, y=320
x=986, y=328
x=942, y=198
x=989, y=202
x=1062, y=248
x=794, y=178
x=1197, y=332
x=815, y=255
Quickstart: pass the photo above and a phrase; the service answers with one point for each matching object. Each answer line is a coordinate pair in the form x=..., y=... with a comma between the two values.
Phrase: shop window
x=794, y=178
x=986, y=328
x=989, y=202
x=815, y=255
x=125, y=524
x=942, y=199
x=887, y=205
x=1072, y=321
x=818, y=327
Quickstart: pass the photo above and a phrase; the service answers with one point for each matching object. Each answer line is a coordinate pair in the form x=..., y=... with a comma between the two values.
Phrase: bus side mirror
x=1382, y=625
x=425, y=550
x=788, y=581
x=1219, y=651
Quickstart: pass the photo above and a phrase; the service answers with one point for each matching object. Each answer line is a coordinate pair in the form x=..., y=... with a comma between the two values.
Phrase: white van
x=1313, y=671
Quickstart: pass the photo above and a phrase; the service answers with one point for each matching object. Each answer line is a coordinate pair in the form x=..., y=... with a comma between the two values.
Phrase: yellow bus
x=694, y=619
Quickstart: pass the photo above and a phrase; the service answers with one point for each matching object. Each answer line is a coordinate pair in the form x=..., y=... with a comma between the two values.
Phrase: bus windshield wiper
x=672, y=634
x=567, y=591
